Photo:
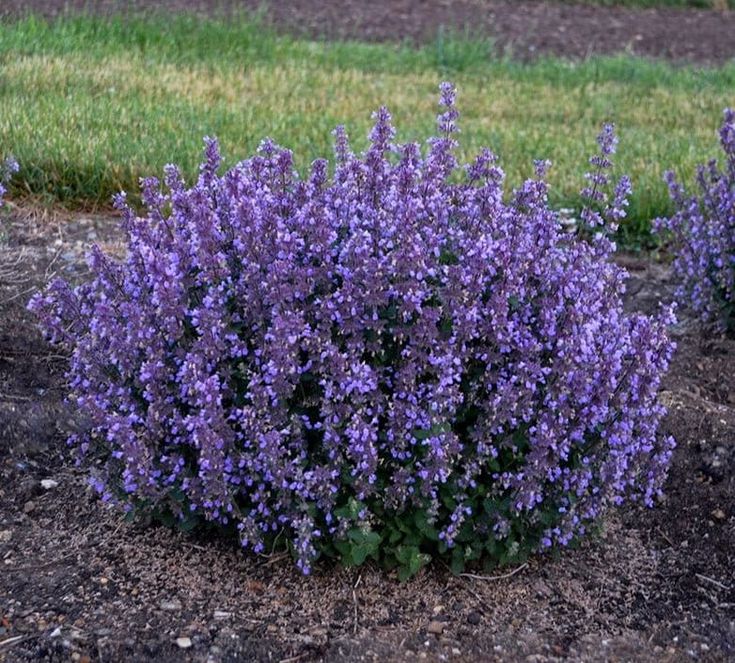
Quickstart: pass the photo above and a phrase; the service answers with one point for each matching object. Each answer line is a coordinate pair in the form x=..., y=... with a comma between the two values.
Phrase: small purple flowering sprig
x=8, y=168
x=395, y=362
x=601, y=215
x=703, y=227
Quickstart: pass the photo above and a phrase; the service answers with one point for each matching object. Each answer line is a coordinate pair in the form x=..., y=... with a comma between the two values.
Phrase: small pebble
x=29, y=506
x=183, y=643
x=49, y=484
x=474, y=618
x=170, y=605
x=435, y=627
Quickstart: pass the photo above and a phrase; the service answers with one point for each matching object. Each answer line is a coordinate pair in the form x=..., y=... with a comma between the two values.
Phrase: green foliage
x=409, y=541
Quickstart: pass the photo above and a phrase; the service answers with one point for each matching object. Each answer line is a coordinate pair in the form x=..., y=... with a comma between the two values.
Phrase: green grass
x=89, y=105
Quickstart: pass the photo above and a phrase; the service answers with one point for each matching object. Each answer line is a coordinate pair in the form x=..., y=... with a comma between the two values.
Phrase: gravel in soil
x=524, y=29
x=77, y=583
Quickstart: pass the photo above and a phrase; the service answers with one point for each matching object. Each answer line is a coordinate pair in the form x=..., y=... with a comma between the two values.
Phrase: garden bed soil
x=77, y=583
x=523, y=29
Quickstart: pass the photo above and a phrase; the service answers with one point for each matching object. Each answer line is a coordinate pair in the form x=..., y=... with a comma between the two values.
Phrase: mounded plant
x=394, y=361
x=703, y=228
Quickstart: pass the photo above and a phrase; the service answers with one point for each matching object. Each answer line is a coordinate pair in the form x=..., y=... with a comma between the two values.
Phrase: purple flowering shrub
x=704, y=230
x=396, y=361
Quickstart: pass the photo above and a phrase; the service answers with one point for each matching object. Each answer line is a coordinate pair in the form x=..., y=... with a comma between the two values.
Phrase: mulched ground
x=76, y=583
x=523, y=29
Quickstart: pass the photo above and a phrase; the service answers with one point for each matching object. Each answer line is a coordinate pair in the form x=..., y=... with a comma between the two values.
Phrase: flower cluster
x=393, y=361
x=7, y=169
x=704, y=230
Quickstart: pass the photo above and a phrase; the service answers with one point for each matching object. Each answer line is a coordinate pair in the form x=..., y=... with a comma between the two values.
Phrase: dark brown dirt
x=524, y=29
x=76, y=583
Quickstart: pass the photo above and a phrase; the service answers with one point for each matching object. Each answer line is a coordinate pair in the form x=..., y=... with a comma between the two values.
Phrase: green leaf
x=351, y=510
x=425, y=433
x=404, y=573
x=411, y=560
x=446, y=325
x=344, y=548
x=177, y=494
x=188, y=523
x=492, y=548
x=425, y=527
x=358, y=546
x=447, y=257
x=457, y=563
x=403, y=554
x=389, y=312
x=359, y=554
x=473, y=552
x=395, y=536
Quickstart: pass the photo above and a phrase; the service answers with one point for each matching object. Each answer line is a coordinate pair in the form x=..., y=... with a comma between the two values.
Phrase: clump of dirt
x=78, y=582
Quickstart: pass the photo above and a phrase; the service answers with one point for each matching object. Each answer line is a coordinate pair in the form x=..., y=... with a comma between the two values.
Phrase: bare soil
x=77, y=583
x=524, y=29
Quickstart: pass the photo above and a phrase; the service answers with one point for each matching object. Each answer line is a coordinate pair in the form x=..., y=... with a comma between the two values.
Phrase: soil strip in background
x=523, y=30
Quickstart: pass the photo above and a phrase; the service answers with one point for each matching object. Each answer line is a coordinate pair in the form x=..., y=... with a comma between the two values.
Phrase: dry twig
x=499, y=577
x=354, y=603
x=665, y=538
x=293, y=659
x=16, y=639
x=716, y=583
x=36, y=567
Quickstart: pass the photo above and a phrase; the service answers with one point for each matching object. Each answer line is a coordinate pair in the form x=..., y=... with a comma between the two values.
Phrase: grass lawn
x=91, y=104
